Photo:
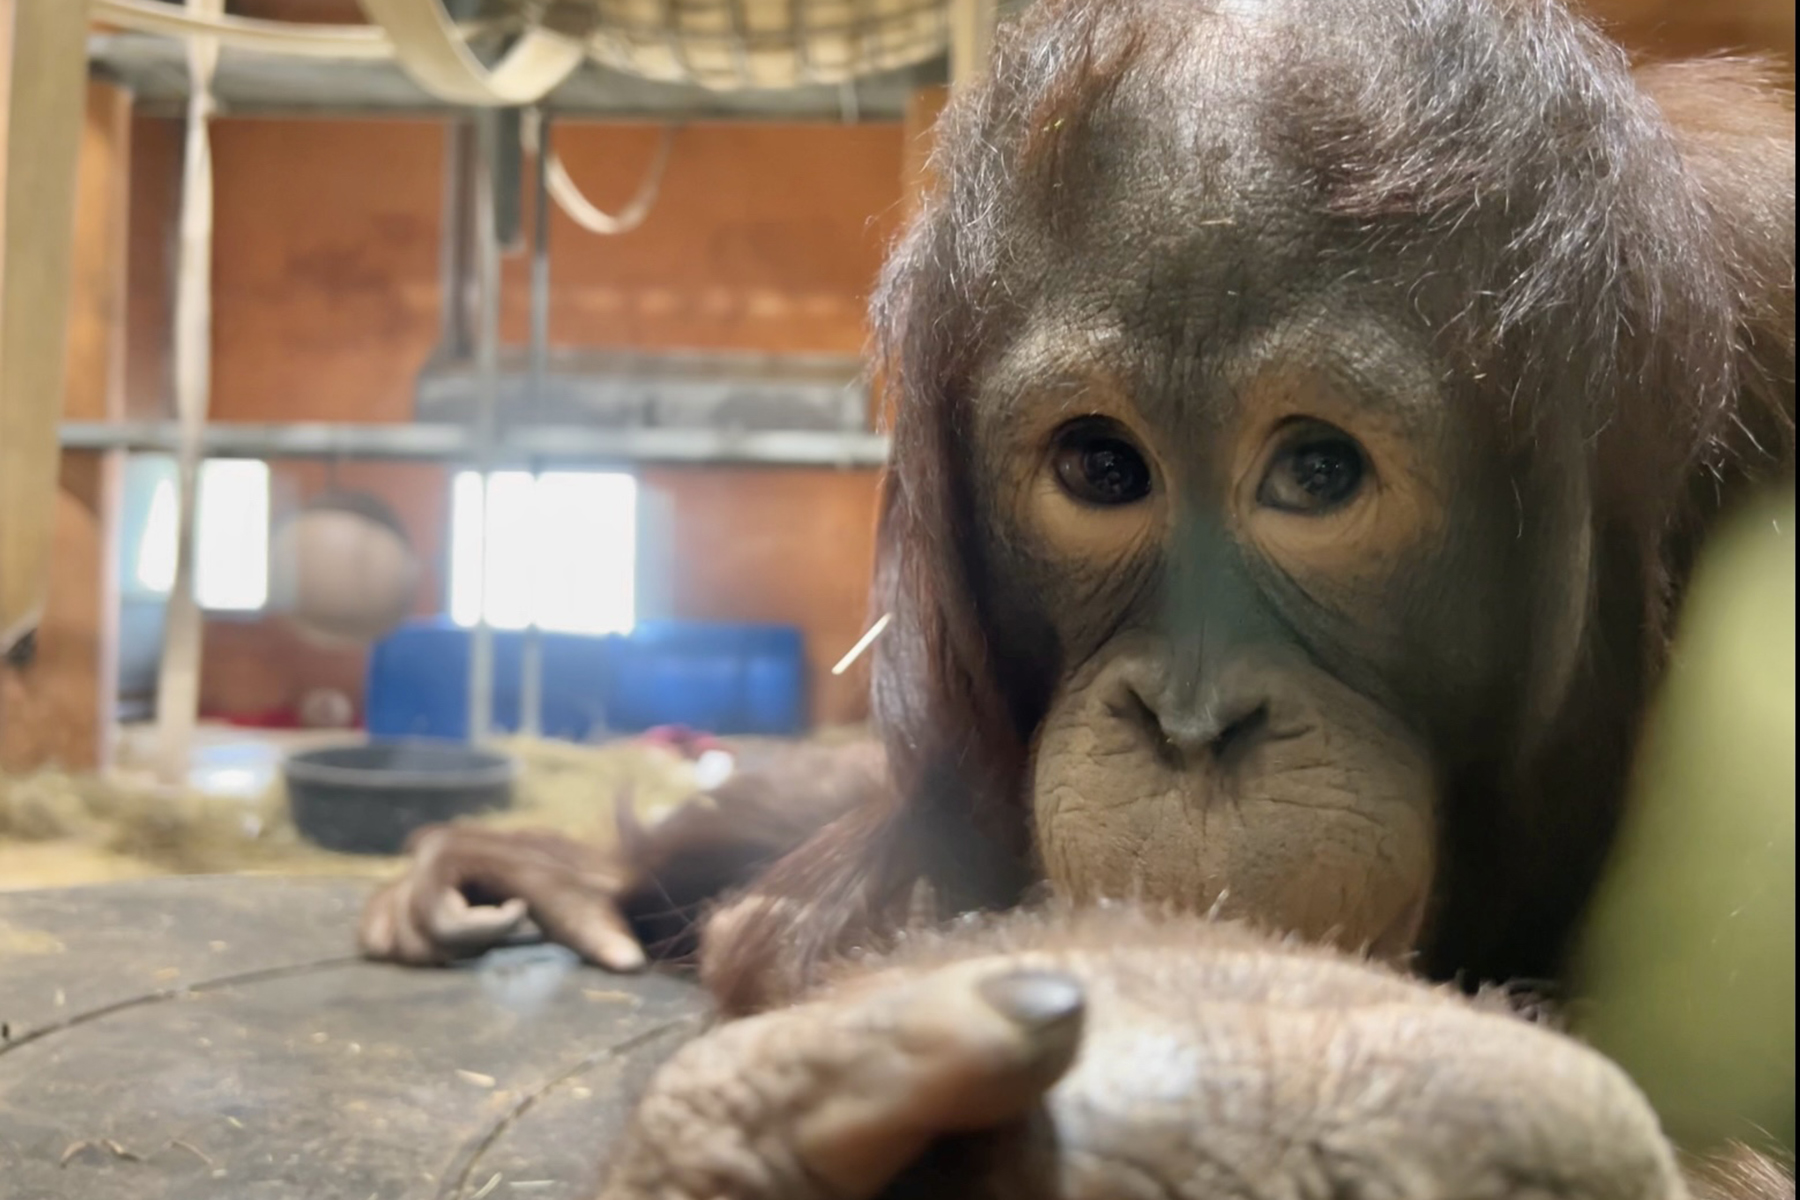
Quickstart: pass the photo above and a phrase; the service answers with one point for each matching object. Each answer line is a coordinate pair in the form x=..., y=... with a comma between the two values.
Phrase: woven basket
x=730, y=45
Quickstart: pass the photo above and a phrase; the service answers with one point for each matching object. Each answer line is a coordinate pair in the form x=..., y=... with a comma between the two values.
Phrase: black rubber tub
x=368, y=799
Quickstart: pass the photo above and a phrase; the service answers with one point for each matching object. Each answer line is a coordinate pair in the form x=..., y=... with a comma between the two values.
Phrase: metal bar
x=269, y=85
x=487, y=360
x=538, y=352
x=508, y=175
x=521, y=447
x=454, y=339
x=531, y=659
x=548, y=444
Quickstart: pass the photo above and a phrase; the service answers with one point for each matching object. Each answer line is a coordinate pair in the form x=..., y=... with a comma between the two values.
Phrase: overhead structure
x=253, y=83
x=677, y=61
x=498, y=54
x=741, y=44
x=565, y=445
x=439, y=57
x=519, y=51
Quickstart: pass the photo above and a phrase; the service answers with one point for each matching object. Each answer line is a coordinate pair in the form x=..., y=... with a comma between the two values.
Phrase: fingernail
x=1037, y=1000
x=621, y=954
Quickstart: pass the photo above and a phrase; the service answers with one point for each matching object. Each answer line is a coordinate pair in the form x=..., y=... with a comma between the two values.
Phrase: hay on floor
x=59, y=828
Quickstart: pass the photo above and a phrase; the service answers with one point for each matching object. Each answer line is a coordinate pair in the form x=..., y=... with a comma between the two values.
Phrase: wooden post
x=972, y=24
x=43, y=66
x=56, y=707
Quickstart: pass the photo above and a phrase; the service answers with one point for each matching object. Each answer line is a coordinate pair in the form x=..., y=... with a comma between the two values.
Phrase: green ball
x=1687, y=967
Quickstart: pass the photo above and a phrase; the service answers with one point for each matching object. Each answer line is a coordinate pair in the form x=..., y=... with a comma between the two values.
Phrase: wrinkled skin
x=1118, y=1055
x=1305, y=408
x=469, y=889
x=1321, y=825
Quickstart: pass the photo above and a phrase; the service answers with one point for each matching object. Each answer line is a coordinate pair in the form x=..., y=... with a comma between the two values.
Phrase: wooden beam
x=43, y=68
x=972, y=25
x=56, y=705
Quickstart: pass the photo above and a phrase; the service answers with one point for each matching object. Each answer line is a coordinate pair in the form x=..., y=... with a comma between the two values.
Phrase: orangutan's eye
x=1096, y=463
x=1319, y=469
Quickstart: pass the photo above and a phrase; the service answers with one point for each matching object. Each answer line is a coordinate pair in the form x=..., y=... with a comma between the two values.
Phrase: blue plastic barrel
x=774, y=692
x=721, y=677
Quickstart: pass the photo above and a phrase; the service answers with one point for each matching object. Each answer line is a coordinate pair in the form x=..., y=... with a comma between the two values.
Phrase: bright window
x=231, y=536
x=559, y=551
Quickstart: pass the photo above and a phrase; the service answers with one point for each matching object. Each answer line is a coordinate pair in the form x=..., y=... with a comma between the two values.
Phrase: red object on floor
x=274, y=718
x=689, y=743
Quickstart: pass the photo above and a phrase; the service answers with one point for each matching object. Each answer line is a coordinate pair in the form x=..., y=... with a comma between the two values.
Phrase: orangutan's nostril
x=1139, y=712
x=1230, y=743
x=1184, y=735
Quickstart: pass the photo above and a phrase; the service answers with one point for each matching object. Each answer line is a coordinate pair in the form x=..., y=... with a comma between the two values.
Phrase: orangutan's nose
x=1214, y=724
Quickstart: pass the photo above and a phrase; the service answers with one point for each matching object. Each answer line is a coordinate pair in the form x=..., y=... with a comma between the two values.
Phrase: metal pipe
x=454, y=338
x=568, y=445
x=540, y=265
x=267, y=85
x=531, y=661
x=487, y=359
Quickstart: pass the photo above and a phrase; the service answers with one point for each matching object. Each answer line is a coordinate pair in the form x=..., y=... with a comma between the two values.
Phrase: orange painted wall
x=326, y=287
x=1677, y=28
x=154, y=196
x=326, y=295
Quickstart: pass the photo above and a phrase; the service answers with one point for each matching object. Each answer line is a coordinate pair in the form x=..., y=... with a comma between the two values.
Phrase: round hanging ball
x=342, y=568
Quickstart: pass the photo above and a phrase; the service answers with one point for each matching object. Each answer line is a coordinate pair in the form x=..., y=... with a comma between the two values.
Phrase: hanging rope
x=436, y=54
x=178, y=676
x=577, y=207
x=364, y=42
x=431, y=48
x=819, y=47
